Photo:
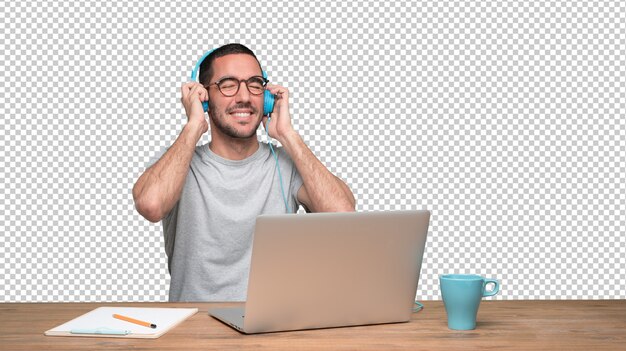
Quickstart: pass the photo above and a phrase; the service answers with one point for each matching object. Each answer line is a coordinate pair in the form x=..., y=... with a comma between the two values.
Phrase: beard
x=220, y=119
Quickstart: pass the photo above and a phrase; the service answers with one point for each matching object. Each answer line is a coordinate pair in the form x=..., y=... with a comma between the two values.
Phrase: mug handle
x=495, y=289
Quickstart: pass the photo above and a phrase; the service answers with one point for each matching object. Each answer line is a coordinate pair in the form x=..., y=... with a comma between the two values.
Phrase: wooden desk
x=502, y=325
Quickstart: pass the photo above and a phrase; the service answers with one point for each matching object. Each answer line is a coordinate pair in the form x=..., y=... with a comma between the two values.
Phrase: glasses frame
x=217, y=83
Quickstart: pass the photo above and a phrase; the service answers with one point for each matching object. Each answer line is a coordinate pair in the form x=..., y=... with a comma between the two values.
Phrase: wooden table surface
x=502, y=325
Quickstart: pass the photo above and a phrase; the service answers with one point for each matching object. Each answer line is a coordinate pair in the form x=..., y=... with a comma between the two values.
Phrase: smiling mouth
x=241, y=114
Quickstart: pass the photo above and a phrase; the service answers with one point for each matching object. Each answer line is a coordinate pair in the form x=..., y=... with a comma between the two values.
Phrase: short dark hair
x=206, y=68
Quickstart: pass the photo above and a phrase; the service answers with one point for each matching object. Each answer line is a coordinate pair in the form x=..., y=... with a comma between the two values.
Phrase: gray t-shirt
x=208, y=233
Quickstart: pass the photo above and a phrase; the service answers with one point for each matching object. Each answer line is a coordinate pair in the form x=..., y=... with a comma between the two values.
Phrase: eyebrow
x=225, y=77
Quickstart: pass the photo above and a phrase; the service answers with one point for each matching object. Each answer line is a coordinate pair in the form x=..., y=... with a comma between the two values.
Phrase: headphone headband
x=194, y=71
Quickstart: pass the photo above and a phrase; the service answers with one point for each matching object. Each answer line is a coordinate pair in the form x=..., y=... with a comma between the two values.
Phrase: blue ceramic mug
x=461, y=296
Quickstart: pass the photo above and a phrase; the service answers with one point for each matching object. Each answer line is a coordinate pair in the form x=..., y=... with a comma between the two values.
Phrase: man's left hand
x=280, y=124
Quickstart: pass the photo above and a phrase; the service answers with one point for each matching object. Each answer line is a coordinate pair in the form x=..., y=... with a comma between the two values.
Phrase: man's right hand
x=193, y=94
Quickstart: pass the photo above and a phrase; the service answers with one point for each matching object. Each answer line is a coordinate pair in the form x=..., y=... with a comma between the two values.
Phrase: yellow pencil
x=136, y=321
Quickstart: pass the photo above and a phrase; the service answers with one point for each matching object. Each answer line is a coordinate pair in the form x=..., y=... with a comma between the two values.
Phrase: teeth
x=241, y=114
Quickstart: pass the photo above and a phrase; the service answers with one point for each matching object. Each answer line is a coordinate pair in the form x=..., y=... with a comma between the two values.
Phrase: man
x=208, y=197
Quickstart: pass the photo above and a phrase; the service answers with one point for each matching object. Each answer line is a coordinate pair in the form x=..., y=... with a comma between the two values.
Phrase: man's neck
x=234, y=149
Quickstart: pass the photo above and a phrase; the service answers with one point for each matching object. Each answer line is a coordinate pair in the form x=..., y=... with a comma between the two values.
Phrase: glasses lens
x=229, y=86
x=256, y=85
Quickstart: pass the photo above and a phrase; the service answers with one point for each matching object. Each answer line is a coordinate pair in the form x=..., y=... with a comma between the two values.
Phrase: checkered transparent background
x=506, y=119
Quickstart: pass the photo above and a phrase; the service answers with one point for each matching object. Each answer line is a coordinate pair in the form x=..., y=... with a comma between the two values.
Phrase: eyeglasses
x=230, y=86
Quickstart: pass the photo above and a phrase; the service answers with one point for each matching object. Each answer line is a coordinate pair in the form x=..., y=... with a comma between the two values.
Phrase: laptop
x=325, y=270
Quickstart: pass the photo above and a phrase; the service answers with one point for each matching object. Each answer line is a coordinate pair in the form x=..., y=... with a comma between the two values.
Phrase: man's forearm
x=159, y=188
x=327, y=193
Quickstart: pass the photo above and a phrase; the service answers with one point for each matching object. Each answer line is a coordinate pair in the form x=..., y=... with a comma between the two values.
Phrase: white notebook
x=100, y=322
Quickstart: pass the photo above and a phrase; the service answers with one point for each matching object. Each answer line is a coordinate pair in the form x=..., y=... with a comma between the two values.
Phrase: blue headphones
x=268, y=98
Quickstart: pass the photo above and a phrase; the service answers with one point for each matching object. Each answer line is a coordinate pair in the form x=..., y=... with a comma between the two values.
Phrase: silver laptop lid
x=324, y=270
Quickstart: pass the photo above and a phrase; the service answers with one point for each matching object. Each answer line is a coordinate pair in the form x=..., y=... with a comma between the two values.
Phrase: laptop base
x=232, y=316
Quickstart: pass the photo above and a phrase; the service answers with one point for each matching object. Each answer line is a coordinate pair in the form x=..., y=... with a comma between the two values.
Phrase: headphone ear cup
x=268, y=103
x=205, y=105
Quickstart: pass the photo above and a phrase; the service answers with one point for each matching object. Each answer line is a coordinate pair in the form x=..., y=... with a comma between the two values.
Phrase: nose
x=243, y=94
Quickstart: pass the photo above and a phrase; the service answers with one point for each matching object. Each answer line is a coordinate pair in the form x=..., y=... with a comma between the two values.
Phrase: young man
x=208, y=197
